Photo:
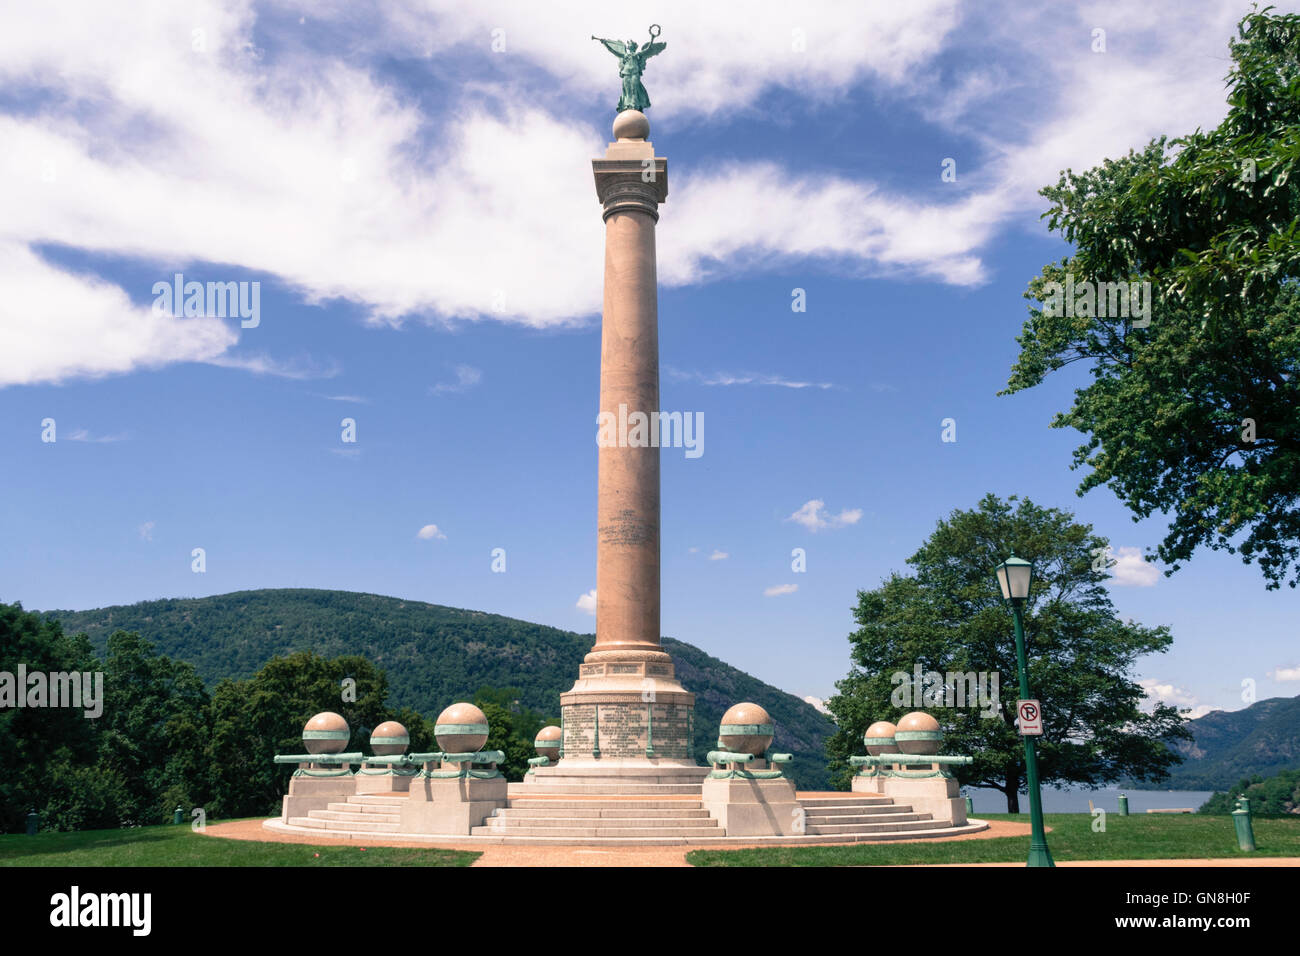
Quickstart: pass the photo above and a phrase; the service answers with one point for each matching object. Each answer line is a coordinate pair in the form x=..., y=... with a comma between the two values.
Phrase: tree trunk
x=1013, y=794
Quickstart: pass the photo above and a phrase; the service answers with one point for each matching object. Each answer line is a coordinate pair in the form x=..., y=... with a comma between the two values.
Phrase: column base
x=627, y=706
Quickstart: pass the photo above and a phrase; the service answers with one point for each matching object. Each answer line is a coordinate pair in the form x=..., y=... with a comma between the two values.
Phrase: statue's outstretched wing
x=650, y=49
x=615, y=47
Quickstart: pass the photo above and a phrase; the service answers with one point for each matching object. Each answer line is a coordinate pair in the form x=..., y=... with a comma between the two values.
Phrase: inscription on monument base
x=628, y=729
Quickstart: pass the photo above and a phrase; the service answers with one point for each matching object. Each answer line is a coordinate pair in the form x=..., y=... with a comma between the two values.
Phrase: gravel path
x=495, y=855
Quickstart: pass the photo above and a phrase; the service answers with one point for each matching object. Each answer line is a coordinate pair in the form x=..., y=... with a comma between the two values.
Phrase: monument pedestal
x=308, y=793
x=451, y=805
x=926, y=788
x=627, y=706
x=754, y=807
x=383, y=779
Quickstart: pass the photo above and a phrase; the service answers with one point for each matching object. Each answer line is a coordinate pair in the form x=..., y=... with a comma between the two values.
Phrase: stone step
x=591, y=772
x=867, y=817
x=392, y=799
x=605, y=788
x=891, y=826
x=346, y=826
x=512, y=822
x=354, y=817
x=845, y=801
x=820, y=812
x=351, y=807
x=599, y=803
x=589, y=833
x=606, y=812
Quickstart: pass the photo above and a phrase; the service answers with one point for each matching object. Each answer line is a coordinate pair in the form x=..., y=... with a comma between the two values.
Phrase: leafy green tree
x=40, y=747
x=1277, y=794
x=512, y=728
x=154, y=731
x=1192, y=410
x=255, y=719
x=947, y=617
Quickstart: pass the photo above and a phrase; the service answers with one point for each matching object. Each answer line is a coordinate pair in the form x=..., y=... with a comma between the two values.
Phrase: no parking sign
x=1029, y=714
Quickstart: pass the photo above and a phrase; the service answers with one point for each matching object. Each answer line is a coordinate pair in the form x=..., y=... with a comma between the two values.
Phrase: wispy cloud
x=146, y=531
x=262, y=364
x=467, y=376
x=779, y=589
x=81, y=434
x=355, y=399
x=813, y=516
x=1285, y=674
x=719, y=556
x=743, y=378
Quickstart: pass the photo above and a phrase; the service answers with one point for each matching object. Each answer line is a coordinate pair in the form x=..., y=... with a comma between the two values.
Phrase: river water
x=1075, y=800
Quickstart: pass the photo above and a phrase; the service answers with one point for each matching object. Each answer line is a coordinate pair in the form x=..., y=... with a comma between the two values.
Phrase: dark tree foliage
x=1194, y=415
x=947, y=616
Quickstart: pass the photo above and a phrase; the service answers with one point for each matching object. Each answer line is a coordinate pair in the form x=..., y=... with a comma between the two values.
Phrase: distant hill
x=434, y=655
x=1263, y=739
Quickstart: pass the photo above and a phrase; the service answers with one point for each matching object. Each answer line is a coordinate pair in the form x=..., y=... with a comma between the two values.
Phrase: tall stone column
x=627, y=707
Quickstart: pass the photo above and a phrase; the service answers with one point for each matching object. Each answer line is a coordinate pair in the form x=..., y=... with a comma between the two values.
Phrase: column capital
x=631, y=183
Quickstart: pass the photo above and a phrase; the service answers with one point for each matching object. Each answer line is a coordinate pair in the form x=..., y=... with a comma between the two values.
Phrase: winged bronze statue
x=631, y=64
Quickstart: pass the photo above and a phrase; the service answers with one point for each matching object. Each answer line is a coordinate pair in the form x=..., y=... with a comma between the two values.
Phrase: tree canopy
x=947, y=617
x=1192, y=410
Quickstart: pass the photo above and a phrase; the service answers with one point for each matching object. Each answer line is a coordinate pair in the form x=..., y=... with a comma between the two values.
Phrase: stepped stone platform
x=627, y=817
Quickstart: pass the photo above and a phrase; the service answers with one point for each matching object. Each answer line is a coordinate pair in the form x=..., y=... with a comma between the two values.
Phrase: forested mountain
x=1227, y=746
x=433, y=655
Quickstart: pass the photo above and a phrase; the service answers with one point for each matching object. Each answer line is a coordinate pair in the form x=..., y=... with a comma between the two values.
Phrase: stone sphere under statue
x=918, y=733
x=389, y=739
x=326, y=733
x=879, y=738
x=461, y=729
x=631, y=124
x=746, y=729
x=547, y=743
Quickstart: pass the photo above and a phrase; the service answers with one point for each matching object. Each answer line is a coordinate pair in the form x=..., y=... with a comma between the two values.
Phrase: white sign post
x=1029, y=714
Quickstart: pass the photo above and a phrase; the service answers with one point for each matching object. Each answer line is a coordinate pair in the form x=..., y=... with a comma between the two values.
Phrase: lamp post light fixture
x=1015, y=576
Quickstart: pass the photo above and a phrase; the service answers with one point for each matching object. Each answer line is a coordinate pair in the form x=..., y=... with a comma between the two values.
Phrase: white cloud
x=466, y=377
x=430, y=531
x=1131, y=569
x=743, y=378
x=818, y=704
x=1166, y=693
x=587, y=602
x=81, y=434
x=319, y=172
x=56, y=324
x=779, y=589
x=1285, y=674
x=719, y=556
x=813, y=516
x=146, y=531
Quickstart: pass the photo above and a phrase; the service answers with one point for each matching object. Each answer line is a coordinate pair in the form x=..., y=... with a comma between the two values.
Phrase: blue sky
x=419, y=211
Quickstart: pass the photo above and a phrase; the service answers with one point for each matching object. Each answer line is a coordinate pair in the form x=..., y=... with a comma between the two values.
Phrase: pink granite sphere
x=631, y=124
x=326, y=733
x=547, y=743
x=879, y=738
x=461, y=729
x=746, y=729
x=389, y=739
x=918, y=733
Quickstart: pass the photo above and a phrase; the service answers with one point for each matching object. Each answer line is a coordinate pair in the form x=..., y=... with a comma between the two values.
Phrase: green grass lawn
x=181, y=846
x=1143, y=836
